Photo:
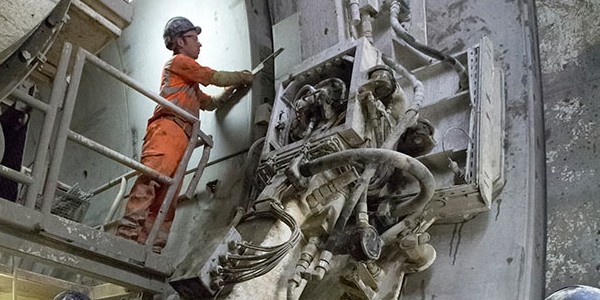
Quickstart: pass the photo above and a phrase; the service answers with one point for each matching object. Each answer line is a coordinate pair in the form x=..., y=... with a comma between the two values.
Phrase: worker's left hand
x=238, y=92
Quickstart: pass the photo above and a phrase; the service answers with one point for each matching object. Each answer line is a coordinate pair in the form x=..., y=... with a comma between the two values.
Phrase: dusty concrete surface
x=500, y=254
x=570, y=58
x=17, y=23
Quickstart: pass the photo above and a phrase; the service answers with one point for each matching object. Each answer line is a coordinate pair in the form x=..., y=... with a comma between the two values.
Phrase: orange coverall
x=164, y=145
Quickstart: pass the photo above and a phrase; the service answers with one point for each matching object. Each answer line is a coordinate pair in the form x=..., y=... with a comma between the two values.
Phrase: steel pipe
x=218, y=160
x=100, y=19
x=133, y=173
x=114, y=72
x=15, y=175
x=40, y=164
x=61, y=138
x=30, y=100
x=116, y=202
x=113, y=182
x=14, y=279
x=118, y=157
x=138, y=87
x=198, y=174
x=205, y=139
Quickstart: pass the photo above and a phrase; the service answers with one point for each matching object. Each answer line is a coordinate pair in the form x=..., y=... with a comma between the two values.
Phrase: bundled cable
x=242, y=267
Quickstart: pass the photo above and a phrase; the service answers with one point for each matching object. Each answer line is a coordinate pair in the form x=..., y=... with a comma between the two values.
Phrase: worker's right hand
x=225, y=79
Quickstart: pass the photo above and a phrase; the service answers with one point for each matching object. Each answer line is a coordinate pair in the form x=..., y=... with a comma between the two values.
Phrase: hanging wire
x=446, y=133
x=459, y=174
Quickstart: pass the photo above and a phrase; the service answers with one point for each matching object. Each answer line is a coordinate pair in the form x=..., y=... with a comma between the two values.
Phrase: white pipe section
x=354, y=9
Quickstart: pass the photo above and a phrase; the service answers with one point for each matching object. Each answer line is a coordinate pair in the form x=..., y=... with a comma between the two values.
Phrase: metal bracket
x=19, y=65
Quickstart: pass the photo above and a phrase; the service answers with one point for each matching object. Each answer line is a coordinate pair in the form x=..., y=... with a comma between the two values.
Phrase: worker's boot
x=128, y=228
x=157, y=248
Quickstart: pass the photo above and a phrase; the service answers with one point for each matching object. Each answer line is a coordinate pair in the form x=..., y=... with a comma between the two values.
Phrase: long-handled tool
x=261, y=65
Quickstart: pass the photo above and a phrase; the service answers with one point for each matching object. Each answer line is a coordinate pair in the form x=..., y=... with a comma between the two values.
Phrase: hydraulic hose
x=363, y=182
x=404, y=35
x=373, y=156
x=407, y=120
x=307, y=87
x=249, y=169
x=419, y=91
x=254, y=146
x=355, y=196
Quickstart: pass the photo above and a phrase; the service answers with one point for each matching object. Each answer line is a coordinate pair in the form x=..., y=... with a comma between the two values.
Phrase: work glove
x=221, y=98
x=229, y=95
x=225, y=78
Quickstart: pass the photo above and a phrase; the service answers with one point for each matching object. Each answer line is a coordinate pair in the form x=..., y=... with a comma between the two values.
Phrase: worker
x=167, y=135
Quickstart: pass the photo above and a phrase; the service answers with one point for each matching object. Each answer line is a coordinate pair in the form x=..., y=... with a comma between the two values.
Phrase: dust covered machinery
x=366, y=149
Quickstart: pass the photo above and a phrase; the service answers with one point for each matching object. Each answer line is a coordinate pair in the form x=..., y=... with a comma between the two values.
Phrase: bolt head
x=25, y=55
